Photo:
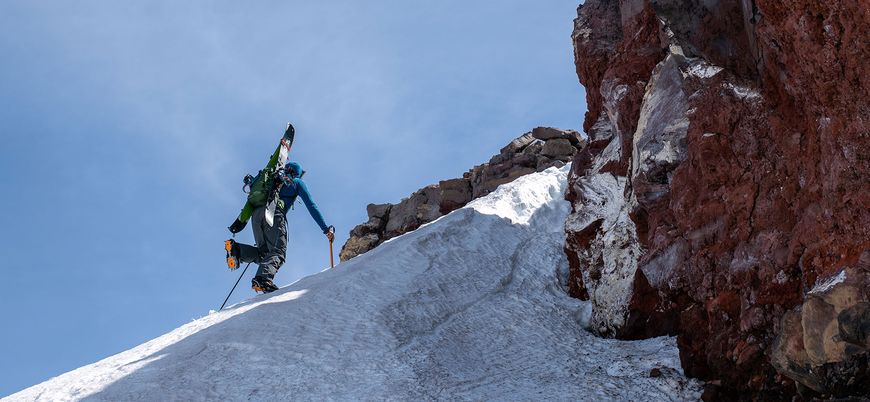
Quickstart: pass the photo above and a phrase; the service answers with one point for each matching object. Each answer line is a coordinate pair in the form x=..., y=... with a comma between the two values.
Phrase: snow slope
x=469, y=307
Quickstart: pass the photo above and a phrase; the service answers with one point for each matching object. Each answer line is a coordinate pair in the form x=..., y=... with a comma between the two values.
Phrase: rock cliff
x=724, y=194
x=531, y=152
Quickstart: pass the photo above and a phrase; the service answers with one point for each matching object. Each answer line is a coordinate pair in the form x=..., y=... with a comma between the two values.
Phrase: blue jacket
x=297, y=188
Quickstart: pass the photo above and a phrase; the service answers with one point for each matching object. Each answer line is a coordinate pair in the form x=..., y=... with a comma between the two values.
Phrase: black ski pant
x=271, y=243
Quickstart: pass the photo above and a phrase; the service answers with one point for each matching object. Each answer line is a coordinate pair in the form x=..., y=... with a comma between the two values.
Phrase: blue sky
x=127, y=127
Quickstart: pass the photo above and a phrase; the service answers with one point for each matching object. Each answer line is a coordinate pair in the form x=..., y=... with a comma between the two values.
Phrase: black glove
x=237, y=226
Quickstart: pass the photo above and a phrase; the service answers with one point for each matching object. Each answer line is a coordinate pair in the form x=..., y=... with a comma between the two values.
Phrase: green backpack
x=260, y=188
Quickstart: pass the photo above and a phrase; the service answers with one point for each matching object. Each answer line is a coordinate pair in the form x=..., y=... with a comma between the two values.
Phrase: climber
x=271, y=247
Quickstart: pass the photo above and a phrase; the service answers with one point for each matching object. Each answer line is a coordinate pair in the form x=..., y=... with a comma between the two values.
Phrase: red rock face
x=738, y=137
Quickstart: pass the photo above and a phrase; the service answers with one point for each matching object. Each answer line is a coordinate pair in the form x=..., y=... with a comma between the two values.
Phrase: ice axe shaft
x=331, y=230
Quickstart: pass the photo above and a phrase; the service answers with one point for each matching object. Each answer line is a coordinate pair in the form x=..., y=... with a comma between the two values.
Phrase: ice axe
x=331, y=261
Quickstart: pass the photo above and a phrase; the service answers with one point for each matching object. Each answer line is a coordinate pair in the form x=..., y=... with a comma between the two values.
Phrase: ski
x=283, y=155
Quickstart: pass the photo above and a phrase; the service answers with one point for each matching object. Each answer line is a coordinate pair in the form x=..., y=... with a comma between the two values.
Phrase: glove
x=237, y=226
x=330, y=233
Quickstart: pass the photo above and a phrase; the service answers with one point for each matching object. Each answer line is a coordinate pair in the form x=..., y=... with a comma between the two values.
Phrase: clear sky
x=127, y=127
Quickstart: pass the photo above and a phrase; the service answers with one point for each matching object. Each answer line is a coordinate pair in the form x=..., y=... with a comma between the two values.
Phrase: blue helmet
x=294, y=169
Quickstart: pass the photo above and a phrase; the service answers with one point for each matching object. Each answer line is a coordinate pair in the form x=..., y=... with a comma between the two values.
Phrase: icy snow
x=743, y=92
x=617, y=248
x=701, y=69
x=470, y=307
x=825, y=285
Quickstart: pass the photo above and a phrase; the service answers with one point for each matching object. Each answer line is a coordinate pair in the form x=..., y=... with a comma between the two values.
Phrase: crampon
x=232, y=258
x=263, y=285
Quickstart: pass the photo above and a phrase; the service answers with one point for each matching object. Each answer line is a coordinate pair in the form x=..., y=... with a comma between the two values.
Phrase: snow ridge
x=469, y=307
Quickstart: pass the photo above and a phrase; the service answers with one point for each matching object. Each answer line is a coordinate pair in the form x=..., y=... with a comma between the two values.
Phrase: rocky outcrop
x=724, y=179
x=531, y=152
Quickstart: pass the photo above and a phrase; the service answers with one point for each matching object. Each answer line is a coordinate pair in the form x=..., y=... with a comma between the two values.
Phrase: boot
x=233, y=254
x=261, y=284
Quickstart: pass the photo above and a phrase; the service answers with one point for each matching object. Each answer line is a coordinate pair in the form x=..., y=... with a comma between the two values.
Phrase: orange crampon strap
x=231, y=261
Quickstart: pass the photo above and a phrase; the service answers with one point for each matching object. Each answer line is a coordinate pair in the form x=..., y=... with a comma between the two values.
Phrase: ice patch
x=781, y=278
x=827, y=284
x=743, y=92
x=616, y=248
x=703, y=70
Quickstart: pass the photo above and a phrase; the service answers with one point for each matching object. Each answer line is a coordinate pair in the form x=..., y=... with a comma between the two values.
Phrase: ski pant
x=271, y=243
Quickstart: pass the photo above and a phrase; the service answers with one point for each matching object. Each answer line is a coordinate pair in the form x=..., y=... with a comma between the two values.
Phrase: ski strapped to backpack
x=263, y=188
x=260, y=187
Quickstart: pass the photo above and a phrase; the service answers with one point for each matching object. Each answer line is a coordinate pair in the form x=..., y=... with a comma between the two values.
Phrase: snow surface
x=470, y=307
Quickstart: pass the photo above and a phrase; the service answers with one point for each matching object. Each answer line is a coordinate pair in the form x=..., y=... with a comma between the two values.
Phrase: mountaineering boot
x=233, y=253
x=265, y=285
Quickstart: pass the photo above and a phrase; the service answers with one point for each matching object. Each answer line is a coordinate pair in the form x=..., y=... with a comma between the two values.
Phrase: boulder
x=821, y=340
x=368, y=235
x=403, y=216
x=558, y=148
x=431, y=208
x=357, y=245
x=373, y=225
x=534, y=147
x=500, y=158
x=491, y=183
x=854, y=325
x=524, y=160
x=380, y=211
x=455, y=193
x=550, y=133
x=518, y=144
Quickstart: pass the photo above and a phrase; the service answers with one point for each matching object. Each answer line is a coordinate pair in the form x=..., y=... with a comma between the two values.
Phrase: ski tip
x=289, y=133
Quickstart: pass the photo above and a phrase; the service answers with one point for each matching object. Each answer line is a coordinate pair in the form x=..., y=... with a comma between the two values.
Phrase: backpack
x=260, y=188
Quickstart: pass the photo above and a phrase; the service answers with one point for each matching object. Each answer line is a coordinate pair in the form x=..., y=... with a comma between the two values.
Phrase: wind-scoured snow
x=470, y=307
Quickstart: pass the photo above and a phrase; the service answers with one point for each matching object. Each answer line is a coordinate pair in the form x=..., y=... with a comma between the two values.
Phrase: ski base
x=270, y=211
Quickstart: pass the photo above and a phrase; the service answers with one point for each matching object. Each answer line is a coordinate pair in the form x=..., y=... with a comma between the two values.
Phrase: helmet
x=294, y=169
